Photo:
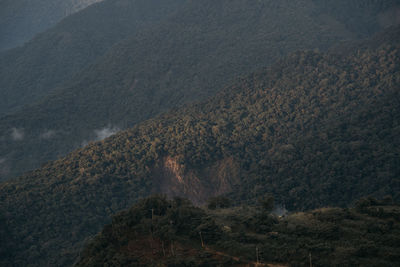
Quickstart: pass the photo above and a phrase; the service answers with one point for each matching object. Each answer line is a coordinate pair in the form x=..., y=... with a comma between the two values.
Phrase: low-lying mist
x=17, y=134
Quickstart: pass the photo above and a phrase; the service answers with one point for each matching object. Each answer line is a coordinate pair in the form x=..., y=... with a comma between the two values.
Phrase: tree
x=267, y=203
x=218, y=202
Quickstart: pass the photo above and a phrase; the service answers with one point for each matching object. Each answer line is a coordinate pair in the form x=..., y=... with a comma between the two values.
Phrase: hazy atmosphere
x=199, y=133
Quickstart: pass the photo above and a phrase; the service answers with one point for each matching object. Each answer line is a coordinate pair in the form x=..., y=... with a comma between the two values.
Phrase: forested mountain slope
x=20, y=20
x=157, y=232
x=34, y=70
x=313, y=130
x=188, y=57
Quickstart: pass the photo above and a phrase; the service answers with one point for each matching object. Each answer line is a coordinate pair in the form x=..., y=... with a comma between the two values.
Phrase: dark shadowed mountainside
x=33, y=71
x=20, y=20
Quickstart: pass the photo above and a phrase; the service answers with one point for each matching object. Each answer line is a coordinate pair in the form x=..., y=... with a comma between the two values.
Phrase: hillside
x=158, y=232
x=31, y=72
x=21, y=20
x=188, y=56
x=314, y=130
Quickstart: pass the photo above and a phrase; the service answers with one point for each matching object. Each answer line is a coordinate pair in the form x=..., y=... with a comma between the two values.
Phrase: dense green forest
x=314, y=130
x=158, y=232
x=187, y=51
x=21, y=20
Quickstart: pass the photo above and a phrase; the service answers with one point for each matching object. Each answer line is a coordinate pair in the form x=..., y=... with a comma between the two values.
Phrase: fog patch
x=47, y=134
x=105, y=132
x=17, y=134
x=84, y=143
x=101, y=134
x=280, y=210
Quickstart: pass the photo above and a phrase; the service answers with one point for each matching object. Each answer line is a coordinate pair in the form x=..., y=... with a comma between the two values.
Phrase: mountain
x=158, y=232
x=315, y=130
x=21, y=20
x=200, y=47
x=33, y=71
